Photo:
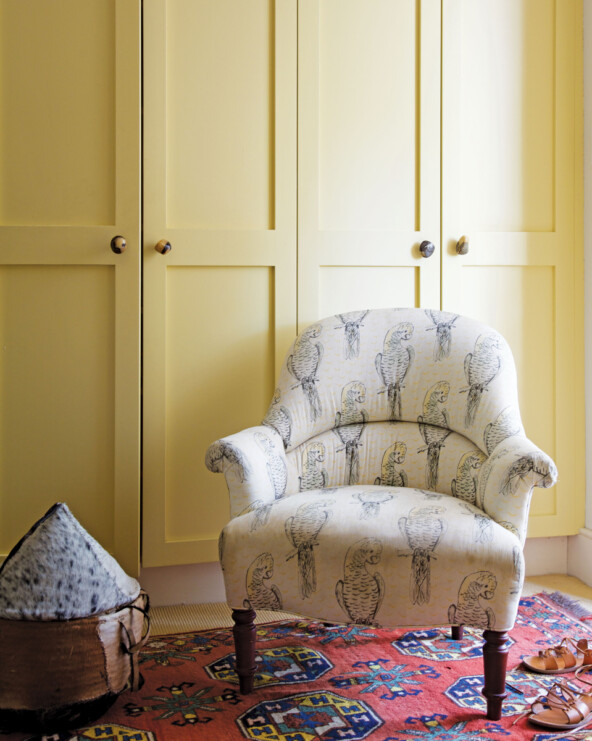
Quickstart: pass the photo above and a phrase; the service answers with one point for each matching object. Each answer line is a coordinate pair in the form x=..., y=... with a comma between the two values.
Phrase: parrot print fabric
x=390, y=480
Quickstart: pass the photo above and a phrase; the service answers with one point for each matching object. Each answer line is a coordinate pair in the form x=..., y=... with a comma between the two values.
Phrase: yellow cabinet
x=437, y=121
x=220, y=306
x=69, y=305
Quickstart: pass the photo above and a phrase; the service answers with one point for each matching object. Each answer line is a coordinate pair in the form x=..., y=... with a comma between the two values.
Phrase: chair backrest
x=431, y=368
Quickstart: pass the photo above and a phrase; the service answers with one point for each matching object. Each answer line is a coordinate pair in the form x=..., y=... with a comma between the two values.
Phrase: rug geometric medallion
x=319, y=682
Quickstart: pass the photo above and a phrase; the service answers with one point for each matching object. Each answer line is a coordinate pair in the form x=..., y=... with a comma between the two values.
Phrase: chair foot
x=495, y=659
x=244, y=644
x=456, y=632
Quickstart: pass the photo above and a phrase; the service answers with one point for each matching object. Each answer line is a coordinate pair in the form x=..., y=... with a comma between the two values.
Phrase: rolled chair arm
x=253, y=462
x=507, y=479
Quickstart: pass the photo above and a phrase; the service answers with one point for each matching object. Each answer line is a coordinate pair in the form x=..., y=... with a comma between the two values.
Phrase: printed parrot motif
x=392, y=365
x=304, y=363
x=351, y=322
x=507, y=424
x=469, y=611
x=432, y=426
x=222, y=455
x=313, y=477
x=481, y=367
x=274, y=463
x=259, y=594
x=349, y=426
x=423, y=527
x=360, y=593
x=279, y=418
x=483, y=529
x=260, y=511
x=443, y=324
x=371, y=501
x=534, y=467
x=391, y=473
x=464, y=486
x=302, y=530
x=518, y=570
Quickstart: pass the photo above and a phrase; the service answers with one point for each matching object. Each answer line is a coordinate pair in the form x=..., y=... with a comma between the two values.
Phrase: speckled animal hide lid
x=58, y=571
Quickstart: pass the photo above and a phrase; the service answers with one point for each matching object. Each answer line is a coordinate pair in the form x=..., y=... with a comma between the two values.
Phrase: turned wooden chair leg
x=244, y=644
x=456, y=632
x=495, y=658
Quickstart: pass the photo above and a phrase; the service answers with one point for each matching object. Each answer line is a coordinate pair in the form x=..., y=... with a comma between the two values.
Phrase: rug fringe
x=569, y=604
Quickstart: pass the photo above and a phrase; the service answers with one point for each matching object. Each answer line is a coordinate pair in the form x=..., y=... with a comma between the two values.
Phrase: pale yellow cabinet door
x=69, y=305
x=220, y=306
x=368, y=155
x=510, y=185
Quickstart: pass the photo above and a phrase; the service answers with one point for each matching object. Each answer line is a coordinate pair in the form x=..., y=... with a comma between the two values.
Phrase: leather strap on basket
x=132, y=648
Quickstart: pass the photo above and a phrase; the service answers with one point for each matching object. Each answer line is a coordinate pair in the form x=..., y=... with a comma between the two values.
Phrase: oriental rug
x=319, y=682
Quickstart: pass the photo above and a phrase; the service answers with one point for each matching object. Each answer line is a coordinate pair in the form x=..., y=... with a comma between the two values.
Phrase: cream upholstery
x=391, y=478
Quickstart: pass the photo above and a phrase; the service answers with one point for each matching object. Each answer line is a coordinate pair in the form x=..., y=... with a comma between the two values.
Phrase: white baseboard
x=199, y=583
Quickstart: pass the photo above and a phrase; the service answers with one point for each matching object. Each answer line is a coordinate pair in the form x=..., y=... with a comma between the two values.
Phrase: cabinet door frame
x=272, y=248
x=89, y=246
x=558, y=249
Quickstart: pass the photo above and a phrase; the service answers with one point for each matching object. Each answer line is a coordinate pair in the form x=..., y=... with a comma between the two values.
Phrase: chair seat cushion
x=374, y=555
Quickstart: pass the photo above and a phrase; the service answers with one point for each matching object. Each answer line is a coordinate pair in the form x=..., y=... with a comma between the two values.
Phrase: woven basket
x=62, y=674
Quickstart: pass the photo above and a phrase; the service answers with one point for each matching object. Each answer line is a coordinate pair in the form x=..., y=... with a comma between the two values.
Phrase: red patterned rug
x=333, y=683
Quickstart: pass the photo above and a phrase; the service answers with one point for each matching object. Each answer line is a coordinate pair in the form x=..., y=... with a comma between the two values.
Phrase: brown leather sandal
x=566, y=657
x=562, y=708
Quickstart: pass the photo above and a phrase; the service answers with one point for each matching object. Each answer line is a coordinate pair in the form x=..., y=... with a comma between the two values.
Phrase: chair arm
x=253, y=462
x=507, y=479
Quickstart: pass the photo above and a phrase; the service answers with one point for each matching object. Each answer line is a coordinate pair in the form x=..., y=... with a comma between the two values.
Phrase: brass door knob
x=118, y=244
x=462, y=246
x=426, y=248
x=163, y=246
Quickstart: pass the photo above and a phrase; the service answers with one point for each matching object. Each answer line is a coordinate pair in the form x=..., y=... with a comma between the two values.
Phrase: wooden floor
x=185, y=618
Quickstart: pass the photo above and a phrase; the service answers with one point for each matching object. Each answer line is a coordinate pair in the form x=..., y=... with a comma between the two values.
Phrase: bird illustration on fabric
x=518, y=570
x=259, y=594
x=483, y=529
x=522, y=469
x=391, y=473
x=423, y=528
x=222, y=454
x=302, y=530
x=304, y=363
x=481, y=367
x=507, y=424
x=351, y=322
x=443, y=324
x=468, y=610
x=313, y=477
x=464, y=486
x=392, y=365
x=371, y=501
x=274, y=463
x=349, y=426
x=260, y=511
x=360, y=593
x=279, y=418
x=433, y=424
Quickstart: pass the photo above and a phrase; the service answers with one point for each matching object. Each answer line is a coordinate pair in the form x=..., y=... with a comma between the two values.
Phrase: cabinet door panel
x=220, y=308
x=369, y=150
x=510, y=183
x=69, y=306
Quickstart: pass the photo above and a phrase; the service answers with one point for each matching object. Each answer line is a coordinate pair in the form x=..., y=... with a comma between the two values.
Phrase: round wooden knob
x=118, y=245
x=426, y=248
x=462, y=246
x=163, y=246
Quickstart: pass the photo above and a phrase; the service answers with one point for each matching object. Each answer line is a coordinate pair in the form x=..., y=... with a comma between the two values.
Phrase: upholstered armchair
x=389, y=484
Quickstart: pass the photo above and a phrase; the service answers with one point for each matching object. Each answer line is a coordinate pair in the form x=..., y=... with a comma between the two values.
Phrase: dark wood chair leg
x=244, y=644
x=495, y=658
x=456, y=632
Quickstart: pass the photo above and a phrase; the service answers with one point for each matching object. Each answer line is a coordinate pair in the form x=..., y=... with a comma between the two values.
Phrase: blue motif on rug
x=390, y=682
x=283, y=665
x=437, y=645
x=436, y=731
x=307, y=716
